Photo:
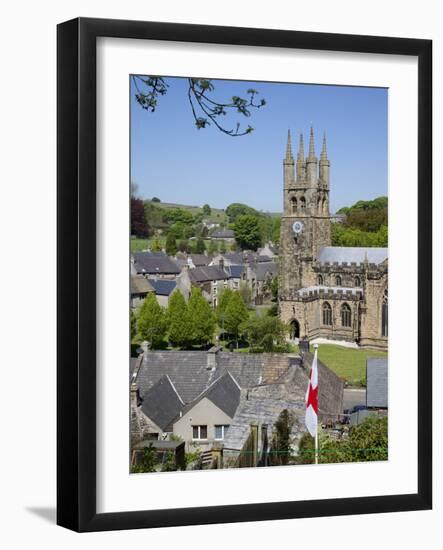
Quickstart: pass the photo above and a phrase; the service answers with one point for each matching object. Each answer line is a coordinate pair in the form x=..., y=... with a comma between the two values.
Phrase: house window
x=384, y=314
x=302, y=203
x=338, y=280
x=357, y=281
x=220, y=431
x=199, y=432
x=327, y=314
x=320, y=279
x=345, y=315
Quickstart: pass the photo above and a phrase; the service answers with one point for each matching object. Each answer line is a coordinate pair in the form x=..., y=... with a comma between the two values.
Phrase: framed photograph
x=244, y=274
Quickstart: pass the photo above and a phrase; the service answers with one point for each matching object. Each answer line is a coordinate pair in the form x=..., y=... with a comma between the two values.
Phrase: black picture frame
x=76, y=294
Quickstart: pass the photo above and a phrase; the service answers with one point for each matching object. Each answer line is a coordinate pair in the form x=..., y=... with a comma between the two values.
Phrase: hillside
x=217, y=215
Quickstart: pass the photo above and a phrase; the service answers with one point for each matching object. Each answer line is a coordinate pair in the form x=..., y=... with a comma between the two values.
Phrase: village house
x=210, y=399
x=154, y=265
x=226, y=235
x=210, y=279
x=163, y=289
x=140, y=288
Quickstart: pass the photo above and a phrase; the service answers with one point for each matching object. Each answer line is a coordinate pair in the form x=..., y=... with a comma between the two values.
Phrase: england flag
x=312, y=399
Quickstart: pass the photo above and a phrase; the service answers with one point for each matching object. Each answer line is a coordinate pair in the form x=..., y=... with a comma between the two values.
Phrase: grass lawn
x=138, y=245
x=347, y=363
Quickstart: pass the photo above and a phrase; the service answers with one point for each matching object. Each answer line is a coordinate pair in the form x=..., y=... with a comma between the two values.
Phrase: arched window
x=320, y=279
x=294, y=205
x=357, y=281
x=384, y=314
x=324, y=206
x=319, y=204
x=302, y=202
x=327, y=314
x=337, y=280
x=345, y=315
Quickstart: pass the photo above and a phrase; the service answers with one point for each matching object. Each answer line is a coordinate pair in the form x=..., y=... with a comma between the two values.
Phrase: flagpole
x=316, y=428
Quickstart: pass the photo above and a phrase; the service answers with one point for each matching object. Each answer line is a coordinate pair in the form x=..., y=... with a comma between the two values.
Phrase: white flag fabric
x=311, y=416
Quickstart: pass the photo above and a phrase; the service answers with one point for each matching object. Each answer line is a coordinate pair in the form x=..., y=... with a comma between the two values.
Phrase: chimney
x=221, y=262
x=211, y=358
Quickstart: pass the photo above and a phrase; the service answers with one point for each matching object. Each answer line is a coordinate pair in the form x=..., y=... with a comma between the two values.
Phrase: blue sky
x=174, y=161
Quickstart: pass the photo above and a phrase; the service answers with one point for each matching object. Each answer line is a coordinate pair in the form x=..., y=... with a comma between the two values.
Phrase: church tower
x=305, y=224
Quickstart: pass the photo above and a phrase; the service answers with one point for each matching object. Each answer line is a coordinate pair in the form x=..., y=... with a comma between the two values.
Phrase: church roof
x=350, y=254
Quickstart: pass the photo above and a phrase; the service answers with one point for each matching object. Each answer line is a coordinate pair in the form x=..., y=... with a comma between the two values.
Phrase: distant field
x=138, y=245
x=217, y=215
x=347, y=363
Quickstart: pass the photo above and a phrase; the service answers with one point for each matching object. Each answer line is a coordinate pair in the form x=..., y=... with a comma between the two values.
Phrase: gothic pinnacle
x=311, y=144
x=289, y=148
x=324, y=154
x=301, y=149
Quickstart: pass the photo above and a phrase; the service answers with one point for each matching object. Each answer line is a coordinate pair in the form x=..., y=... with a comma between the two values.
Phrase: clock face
x=297, y=227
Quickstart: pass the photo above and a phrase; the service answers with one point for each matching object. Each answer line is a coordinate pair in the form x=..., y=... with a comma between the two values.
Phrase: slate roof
x=208, y=273
x=348, y=254
x=191, y=376
x=200, y=259
x=163, y=287
x=223, y=234
x=223, y=392
x=265, y=270
x=140, y=285
x=234, y=271
x=162, y=404
x=234, y=257
x=377, y=382
x=155, y=262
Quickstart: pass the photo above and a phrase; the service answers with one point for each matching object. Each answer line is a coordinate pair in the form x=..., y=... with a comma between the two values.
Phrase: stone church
x=333, y=292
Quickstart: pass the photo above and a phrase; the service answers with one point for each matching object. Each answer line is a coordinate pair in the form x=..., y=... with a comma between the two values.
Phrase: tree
x=265, y=333
x=152, y=323
x=236, y=209
x=223, y=248
x=180, y=328
x=366, y=442
x=171, y=244
x=281, y=440
x=235, y=314
x=139, y=225
x=133, y=325
x=247, y=232
x=205, y=109
x=223, y=301
x=148, y=462
x=200, y=246
x=184, y=246
x=213, y=247
x=155, y=199
x=206, y=210
x=156, y=245
x=201, y=318
x=274, y=288
x=245, y=292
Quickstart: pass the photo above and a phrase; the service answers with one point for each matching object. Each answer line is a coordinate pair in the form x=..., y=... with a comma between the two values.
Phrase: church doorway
x=295, y=329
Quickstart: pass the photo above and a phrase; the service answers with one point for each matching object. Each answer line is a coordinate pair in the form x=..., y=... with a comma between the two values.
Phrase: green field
x=138, y=245
x=347, y=363
x=217, y=215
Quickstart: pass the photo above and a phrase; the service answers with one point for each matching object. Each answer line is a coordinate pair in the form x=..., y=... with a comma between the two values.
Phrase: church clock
x=297, y=227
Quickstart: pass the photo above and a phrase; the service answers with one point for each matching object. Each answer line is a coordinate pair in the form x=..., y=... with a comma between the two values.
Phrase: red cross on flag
x=312, y=399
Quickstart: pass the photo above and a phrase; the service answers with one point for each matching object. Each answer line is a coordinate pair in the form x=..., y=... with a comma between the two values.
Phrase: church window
x=320, y=279
x=345, y=315
x=294, y=205
x=357, y=281
x=384, y=314
x=338, y=280
x=302, y=202
x=327, y=314
x=324, y=206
